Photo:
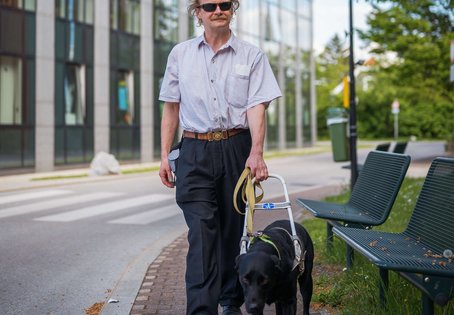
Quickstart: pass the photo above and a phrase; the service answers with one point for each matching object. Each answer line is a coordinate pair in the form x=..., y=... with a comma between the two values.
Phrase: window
x=74, y=88
x=125, y=16
x=60, y=8
x=75, y=10
x=20, y=4
x=272, y=23
x=166, y=24
x=132, y=17
x=10, y=90
x=125, y=100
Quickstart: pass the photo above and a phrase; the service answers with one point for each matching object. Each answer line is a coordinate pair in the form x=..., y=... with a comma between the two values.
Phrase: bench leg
x=427, y=305
x=329, y=236
x=349, y=257
x=384, y=281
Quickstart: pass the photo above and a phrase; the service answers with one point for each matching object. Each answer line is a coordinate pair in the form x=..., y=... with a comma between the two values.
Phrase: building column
x=298, y=83
x=183, y=21
x=313, y=100
x=282, y=124
x=146, y=82
x=45, y=87
x=101, y=76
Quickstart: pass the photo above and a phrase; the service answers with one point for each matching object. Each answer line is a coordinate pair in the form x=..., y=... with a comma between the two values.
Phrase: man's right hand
x=166, y=174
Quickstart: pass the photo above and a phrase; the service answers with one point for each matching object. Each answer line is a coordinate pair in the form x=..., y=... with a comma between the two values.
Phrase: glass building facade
x=82, y=76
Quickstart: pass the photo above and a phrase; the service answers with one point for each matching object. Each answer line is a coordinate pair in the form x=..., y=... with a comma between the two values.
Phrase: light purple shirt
x=215, y=90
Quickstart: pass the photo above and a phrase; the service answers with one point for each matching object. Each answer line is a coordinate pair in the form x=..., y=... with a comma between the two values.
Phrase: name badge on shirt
x=242, y=69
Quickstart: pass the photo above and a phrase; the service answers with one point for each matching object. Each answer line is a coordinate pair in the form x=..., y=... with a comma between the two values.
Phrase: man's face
x=219, y=18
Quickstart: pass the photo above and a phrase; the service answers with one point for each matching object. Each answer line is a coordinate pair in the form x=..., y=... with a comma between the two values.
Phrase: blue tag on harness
x=268, y=205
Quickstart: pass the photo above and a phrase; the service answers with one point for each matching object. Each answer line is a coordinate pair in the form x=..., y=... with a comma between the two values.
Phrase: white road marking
x=54, y=203
x=151, y=216
x=106, y=208
x=32, y=195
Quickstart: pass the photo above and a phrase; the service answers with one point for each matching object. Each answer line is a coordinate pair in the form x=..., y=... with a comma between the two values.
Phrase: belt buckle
x=217, y=135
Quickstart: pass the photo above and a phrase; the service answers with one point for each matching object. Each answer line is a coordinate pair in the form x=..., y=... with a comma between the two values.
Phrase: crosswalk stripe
x=32, y=195
x=148, y=217
x=54, y=203
x=105, y=208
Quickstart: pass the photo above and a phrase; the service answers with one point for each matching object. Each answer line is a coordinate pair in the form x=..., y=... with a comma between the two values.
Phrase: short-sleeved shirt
x=215, y=90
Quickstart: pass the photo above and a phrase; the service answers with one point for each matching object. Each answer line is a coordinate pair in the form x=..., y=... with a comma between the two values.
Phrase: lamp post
x=353, y=135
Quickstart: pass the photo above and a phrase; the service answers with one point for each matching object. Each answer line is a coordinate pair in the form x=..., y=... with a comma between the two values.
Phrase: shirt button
x=214, y=98
x=212, y=81
x=212, y=60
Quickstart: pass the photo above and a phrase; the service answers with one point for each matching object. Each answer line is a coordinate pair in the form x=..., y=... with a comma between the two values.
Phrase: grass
x=355, y=291
x=59, y=177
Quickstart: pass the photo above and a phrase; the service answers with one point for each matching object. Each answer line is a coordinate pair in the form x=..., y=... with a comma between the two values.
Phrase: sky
x=332, y=16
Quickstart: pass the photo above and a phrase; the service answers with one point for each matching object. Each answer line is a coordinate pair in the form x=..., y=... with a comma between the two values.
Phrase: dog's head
x=258, y=272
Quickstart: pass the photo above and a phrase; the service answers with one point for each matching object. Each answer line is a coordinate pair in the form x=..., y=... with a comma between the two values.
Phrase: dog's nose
x=253, y=308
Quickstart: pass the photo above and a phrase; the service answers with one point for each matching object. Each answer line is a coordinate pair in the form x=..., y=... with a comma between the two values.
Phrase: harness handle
x=248, y=196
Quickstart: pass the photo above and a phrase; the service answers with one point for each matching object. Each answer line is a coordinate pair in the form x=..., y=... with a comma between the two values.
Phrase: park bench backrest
x=378, y=183
x=432, y=221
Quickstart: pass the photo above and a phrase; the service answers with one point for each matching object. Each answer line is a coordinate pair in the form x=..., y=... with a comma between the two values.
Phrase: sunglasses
x=211, y=7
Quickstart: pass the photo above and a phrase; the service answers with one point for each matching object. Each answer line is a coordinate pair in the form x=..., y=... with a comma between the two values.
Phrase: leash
x=248, y=196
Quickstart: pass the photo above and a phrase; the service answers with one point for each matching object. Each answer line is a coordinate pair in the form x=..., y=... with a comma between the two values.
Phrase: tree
x=332, y=66
x=419, y=35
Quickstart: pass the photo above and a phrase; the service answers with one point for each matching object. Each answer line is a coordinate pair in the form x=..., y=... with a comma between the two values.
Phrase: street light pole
x=353, y=135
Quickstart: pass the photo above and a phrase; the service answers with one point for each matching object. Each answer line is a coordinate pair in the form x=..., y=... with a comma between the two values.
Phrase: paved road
x=64, y=247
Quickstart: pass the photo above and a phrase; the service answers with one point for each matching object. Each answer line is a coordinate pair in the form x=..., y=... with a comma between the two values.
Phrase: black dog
x=268, y=274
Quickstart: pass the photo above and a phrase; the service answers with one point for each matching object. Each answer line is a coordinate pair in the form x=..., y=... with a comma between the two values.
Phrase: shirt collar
x=232, y=42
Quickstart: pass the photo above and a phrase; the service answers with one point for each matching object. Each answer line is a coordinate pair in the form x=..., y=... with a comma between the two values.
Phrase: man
x=216, y=88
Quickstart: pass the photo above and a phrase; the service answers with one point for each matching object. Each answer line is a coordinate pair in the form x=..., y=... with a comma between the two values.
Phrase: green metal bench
x=371, y=199
x=380, y=147
x=400, y=147
x=383, y=146
x=421, y=253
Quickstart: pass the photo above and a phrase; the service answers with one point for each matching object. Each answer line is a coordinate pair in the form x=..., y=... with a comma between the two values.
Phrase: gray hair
x=194, y=4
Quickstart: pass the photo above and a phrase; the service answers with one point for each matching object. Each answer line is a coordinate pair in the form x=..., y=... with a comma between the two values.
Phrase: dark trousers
x=206, y=177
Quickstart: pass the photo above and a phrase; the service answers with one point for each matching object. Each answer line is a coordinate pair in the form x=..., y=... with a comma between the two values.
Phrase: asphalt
x=162, y=290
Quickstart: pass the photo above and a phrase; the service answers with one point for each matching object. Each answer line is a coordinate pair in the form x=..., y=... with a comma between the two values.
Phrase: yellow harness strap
x=248, y=196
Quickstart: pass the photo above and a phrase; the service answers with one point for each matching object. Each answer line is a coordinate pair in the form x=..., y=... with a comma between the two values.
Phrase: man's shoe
x=231, y=310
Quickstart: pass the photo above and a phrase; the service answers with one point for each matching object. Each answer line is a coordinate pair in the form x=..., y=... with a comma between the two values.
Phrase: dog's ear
x=237, y=261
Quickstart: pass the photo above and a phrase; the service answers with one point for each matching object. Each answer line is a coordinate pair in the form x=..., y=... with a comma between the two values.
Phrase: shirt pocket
x=236, y=90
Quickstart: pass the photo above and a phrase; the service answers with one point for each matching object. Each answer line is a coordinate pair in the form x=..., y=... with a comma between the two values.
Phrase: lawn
x=356, y=291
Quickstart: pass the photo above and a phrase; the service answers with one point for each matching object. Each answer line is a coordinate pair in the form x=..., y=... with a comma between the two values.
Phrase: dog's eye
x=264, y=280
x=245, y=280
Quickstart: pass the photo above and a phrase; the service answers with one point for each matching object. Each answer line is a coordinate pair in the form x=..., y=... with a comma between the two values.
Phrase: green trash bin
x=337, y=121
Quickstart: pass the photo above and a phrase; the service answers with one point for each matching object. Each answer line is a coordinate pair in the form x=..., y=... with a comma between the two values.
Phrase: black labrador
x=268, y=272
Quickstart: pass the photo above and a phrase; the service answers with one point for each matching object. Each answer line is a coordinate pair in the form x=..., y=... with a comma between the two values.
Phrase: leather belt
x=213, y=135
